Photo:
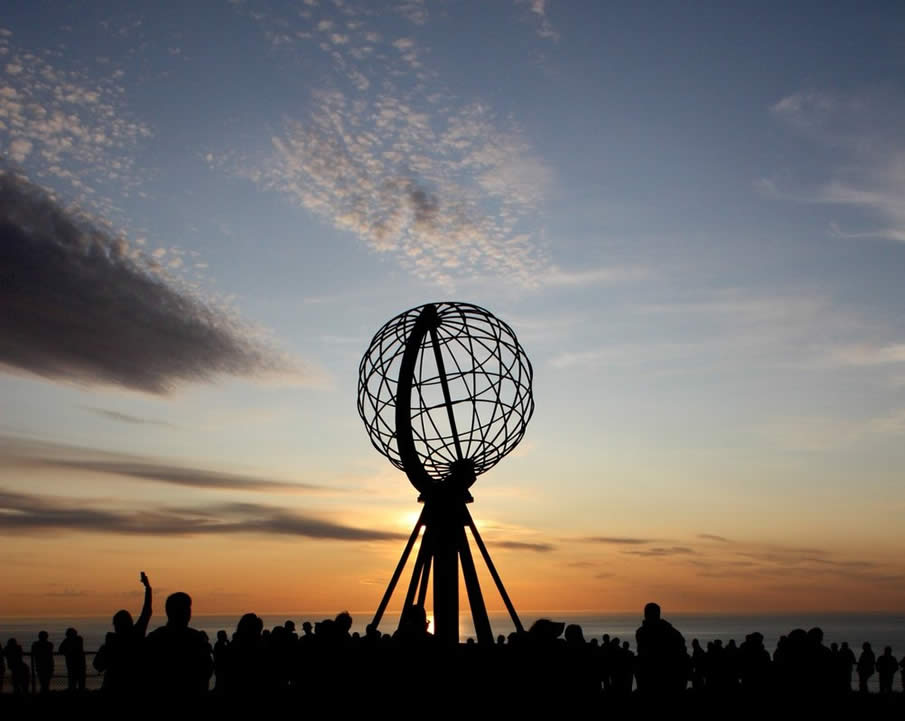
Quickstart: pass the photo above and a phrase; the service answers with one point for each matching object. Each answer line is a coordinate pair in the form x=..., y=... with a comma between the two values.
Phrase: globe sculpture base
x=444, y=544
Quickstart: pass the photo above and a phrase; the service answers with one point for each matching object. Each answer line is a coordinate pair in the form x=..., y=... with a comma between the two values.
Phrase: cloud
x=19, y=149
x=26, y=513
x=868, y=355
x=69, y=126
x=523, y=546
x=80, y=305
x=538, y=10
x=448, y=187
x=15, y=452
x=895, y=234
x=865, y=135
x=616, y=540
x=712, y=537
x=435, y=192
x=556, y=276
x=125, y=417
x=663, y=551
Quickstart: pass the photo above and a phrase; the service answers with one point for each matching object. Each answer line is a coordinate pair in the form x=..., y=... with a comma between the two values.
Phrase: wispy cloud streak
x=26, y=513
x=15, y=452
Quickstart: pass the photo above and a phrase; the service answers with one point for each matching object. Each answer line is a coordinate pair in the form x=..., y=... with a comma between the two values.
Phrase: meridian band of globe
x=486, y=370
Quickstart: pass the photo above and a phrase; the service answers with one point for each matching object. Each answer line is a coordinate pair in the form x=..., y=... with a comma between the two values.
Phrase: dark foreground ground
x=446, y=702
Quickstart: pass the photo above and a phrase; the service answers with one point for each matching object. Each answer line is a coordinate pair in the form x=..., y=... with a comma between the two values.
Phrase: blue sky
x=692, y=215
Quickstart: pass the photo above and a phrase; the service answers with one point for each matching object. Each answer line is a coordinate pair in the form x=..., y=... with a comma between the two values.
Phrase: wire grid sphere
x=489, y=379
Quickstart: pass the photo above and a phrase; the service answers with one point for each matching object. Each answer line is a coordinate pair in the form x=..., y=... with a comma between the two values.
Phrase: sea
x=878, y=629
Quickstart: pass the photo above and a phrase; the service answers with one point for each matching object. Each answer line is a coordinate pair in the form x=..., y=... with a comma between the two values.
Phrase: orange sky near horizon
x=47, y=577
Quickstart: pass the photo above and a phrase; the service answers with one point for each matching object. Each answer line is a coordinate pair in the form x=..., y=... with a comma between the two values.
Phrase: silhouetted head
x=606, y=639
x=343, y=622
x=815, y=635
x=865, y=646
x=306, y=627
x=834, y=647
x=71, y=633
x=695, y=643
x=289, y=626
x=886, y=651
x=652, y=612
x=413, y=620
x=179, y=609
x=543, y=629
x=845, y=645
x=625, y=646
x=221, y=636
x=249, y=626
x=501, y=640
x=122, y=621
x=574, y=634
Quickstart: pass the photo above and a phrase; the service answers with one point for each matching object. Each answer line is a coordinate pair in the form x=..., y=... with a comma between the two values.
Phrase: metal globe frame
x=445, y=392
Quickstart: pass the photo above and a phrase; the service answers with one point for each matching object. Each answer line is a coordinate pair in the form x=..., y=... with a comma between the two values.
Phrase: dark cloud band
x=26, y=513
x=35, y=454
x=79, y=305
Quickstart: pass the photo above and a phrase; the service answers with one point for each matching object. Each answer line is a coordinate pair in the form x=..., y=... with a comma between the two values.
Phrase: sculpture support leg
x=421, y=562
x=398, y=572
x=446, y=571
x=425, y=576
x=473, y=586
x=496, y=576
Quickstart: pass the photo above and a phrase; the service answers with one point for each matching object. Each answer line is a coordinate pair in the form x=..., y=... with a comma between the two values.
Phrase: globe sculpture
x=444, y=392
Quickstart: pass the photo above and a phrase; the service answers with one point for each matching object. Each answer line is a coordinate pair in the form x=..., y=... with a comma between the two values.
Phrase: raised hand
x=144, y=580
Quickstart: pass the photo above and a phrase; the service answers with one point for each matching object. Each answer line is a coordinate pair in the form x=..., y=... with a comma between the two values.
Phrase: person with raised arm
x=119, y=658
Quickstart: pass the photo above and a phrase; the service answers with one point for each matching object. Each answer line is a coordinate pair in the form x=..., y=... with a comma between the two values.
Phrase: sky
x=691, y=215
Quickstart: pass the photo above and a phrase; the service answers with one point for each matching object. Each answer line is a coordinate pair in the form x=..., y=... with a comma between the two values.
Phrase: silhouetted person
x=120, y=656
x=73, y=650
x=42, y=661
x=2, y=669
x=847, y=664
x=179, y=657
x=698, y=665
x=220, y=660
x=17, y=667
x=754, y=663
x=243, y=665
x=662, y=657
x=413, y=626
x=887, y=665
x=866, y=665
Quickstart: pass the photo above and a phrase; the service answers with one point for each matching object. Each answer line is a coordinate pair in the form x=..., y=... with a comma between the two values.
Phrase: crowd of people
x=177, y=660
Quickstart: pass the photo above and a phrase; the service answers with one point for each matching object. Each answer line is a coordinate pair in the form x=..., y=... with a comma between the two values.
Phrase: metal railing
x=59, y=681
